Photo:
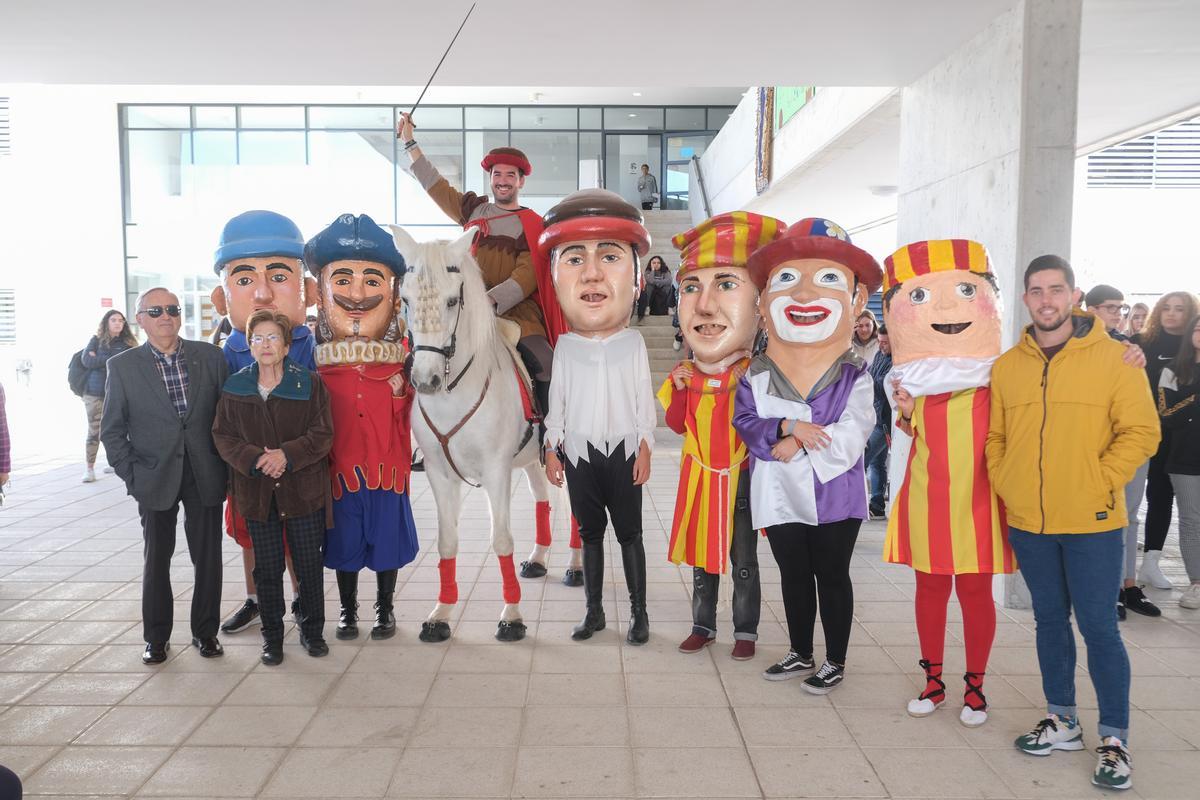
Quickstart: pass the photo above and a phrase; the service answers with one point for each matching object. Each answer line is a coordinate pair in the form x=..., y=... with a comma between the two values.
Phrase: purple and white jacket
x=813, y=488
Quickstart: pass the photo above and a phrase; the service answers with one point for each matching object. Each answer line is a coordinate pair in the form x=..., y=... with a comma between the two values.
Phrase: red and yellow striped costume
x=946, y=519
x=713, y=461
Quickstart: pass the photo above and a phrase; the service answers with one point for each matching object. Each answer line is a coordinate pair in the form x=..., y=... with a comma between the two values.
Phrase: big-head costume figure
x=361, y=360
x=601, y=417
x=943, y=310
x=805, y=410
x=718, y=315
x=259, y=263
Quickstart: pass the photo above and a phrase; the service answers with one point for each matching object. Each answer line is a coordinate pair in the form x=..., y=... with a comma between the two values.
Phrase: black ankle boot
x=633, y=557
x=385, y=620
x=272, y=652
x=347, y=627
x=593, y=591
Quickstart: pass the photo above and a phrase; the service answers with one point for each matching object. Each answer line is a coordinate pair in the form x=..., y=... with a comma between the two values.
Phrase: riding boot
x=385, y=620
x=633, y=556
x=541, y=402
x=593, y=591
x=347, y=627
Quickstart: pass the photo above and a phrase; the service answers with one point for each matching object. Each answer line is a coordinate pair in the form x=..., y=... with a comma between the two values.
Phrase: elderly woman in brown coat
x=274, y=428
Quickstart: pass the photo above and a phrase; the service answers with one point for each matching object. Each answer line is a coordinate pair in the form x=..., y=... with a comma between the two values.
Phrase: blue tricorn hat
x=351, y=238
x=257, y=234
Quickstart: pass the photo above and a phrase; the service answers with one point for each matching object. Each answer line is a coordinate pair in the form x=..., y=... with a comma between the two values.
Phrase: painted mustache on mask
x=366, y=304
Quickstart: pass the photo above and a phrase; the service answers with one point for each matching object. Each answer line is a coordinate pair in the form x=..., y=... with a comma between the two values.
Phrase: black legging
x=1160, y=498
x=814, y=560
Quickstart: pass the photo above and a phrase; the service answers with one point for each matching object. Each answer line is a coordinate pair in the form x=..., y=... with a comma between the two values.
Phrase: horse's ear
x=461, y=247
x=404, y=242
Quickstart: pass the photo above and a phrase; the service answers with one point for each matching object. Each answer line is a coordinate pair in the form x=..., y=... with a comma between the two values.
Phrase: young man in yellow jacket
x=1070, y=423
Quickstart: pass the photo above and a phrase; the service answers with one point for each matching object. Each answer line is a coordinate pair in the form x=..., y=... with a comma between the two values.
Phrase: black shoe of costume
x=385, y=620
x=639, y=626
x=633, y=558
x=513, y=631
x=593, y=590
x=315, y=646
x=243, y=618
x=1135, y=600
x=272, y=653
x=592, y=621
x=532, y=569
x=573, y=577
x=347, y=627
x=435, y=631
x=208, y=646
x=156, y=652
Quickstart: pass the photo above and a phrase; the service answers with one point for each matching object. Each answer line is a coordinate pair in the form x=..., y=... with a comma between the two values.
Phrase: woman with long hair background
x=112, y=336
x=1179, y=407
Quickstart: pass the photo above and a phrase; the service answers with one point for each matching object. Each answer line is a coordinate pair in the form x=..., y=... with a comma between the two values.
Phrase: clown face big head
x=358, y=269
x=813, y=284
x=718, y=302
x=940, y=301
x=593, y=239
x=259, y=263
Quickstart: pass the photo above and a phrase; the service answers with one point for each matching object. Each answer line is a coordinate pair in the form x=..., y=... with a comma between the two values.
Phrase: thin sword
x=439, y=64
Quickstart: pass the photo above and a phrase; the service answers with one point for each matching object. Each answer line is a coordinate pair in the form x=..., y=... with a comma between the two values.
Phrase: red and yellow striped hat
x=934, y=255
x=726, y=240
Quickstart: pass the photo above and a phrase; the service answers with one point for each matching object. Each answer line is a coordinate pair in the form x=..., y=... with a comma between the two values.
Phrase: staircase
x=658, y=331
x=662, y=225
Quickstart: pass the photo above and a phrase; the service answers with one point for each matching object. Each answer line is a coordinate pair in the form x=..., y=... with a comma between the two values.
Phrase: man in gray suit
x=159, y=404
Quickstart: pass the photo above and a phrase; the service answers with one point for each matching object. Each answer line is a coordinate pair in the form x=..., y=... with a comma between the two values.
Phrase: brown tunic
x=502, y=251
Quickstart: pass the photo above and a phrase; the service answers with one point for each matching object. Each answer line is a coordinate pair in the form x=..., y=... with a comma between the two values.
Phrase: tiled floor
x=547, y=717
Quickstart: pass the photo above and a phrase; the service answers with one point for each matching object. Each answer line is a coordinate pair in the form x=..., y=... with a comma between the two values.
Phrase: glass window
x=591, y=155
x=215, y=116
x=413, y=205
x=682, y=148
x=633, y=118
x=354, y=173
x=158, y=117
x=589, y=118
x=554, y=158
x=271, y=147
x=437, y=117
x=154, y=163
x=717, y=117
x=478, y=143
x=548, y=118
x=272, y=116
x=487, y=117
x=685, y=119
x=350, y=117
x=214, y=147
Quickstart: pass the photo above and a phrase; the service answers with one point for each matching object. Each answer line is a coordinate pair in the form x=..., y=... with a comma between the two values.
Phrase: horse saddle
x=510, y=334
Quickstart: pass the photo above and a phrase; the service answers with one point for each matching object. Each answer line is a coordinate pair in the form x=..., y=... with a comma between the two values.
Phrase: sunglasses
x=154, y=312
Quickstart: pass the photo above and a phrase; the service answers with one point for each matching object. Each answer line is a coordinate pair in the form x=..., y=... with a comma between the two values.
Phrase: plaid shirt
x=173, y=369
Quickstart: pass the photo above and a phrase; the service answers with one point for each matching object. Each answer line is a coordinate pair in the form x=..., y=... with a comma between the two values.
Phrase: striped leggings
x=1187, y=498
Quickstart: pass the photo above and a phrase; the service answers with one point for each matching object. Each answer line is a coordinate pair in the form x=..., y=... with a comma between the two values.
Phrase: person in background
x=647, y=186
x=112, y=336
x=877, y=445
x=658, y=296
x=1161, y=339
x=866, y=336
x=311, y=322
x=1108, y=304
x=1136, y=320
x=1179, y=406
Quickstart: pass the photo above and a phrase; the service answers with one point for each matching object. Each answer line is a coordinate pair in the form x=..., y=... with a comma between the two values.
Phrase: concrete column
x=987, y=151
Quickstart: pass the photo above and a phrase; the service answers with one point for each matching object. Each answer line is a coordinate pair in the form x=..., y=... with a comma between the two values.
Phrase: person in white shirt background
x=601, y=418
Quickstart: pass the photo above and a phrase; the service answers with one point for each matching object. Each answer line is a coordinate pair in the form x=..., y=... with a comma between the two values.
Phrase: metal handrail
x=703, y=190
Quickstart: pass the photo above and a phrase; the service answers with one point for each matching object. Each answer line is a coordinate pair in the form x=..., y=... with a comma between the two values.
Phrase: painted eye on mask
x=918, y=296
x=966, y=291
x=785, y=279
x=830, y=279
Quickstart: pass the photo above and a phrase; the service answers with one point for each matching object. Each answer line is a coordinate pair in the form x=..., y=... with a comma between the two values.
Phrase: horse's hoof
x=532, y=569
x=573, y=577
x=510, y=631
x=436, y=631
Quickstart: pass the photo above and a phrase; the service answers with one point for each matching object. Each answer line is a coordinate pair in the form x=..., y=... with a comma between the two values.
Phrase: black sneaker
x=1135, y=600
x=793, y=665
x=825, y=680
x=243, y=618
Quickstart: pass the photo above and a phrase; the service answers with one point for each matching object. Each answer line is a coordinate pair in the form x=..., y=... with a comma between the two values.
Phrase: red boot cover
x=543, y=523
x=449, y=592
x=512, y=589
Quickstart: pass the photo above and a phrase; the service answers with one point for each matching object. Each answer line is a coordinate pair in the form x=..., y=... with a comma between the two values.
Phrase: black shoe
x=315, y=647
x=793, y=665
x=1120, y=612
x=297, y=617
x=573, y=577
x=347, y=627
x=824, y=680
x=532, y=569
x=156, y=652
x=208, y=646
x=593, y=591
x=1135, y=600
x=243, y=618
x=418, y=464
x=592, y=621
x=633, y=558
x=385, y=620
x=876, y=512
x=272, y=653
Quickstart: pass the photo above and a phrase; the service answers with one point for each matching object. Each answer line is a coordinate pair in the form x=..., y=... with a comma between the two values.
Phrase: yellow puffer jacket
x=1066, y=435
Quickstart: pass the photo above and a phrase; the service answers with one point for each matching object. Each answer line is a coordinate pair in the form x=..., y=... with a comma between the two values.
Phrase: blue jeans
x=876, y=463
x=1081, y=571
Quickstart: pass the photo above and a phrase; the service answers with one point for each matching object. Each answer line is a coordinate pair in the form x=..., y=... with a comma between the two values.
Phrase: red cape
x=547, y=300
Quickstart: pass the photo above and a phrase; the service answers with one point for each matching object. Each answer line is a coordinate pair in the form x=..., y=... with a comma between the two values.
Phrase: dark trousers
x=656, y=299
x=747, y=591
x=1160, y=500
x=876, y=462
x=202, y=527
x=602, y=487
x=814, y=562
x=305, y=540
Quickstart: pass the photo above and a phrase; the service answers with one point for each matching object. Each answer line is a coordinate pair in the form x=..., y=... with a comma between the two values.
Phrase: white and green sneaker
x=1114, y=771
x=1052, y=733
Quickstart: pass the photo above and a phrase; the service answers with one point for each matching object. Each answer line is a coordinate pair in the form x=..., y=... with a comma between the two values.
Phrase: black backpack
x=77, y=374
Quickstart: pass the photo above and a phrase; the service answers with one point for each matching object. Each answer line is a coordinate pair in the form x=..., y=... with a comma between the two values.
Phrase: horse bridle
x=448, y=350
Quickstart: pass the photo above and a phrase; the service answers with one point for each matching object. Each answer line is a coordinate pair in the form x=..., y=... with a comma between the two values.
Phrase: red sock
x=543, y=523
x=933, y=593
x=512, y=589
x=449, y=592
x=979, y=625
x=576, y=542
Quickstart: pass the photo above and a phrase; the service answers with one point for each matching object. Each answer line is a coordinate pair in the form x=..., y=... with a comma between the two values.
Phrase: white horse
x=468, y=417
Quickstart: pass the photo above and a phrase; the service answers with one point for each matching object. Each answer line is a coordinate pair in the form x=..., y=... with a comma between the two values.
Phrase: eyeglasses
x=1114, y=307
x=273, y=338
x=154, y=312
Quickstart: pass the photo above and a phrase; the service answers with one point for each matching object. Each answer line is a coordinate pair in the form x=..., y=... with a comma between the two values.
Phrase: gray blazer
x=145, y=438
